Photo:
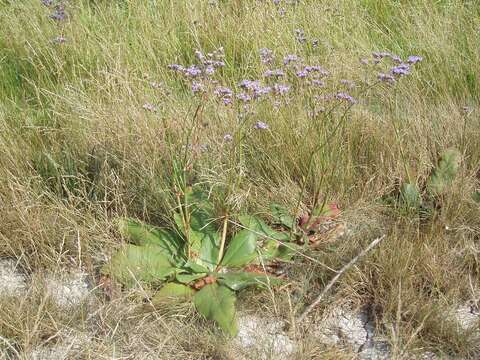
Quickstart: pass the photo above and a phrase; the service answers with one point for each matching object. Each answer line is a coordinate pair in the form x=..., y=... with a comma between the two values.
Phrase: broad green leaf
x=173, y=291
x=273, y=250
x=282, y=216
x=410, y=196
x=203, y=237
x=189, y=278
x=476, y=196
x=240, y=280
x=258, y=225
x=217, y=303
x=193, y=267
x=444, y=174
x=143, y=234
x=146, y=263
x=241, y=250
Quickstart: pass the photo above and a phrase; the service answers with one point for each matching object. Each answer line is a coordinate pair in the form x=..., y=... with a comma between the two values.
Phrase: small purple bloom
x=192, y=71
x=197, y=87
x=316, y=69
x=227, y=100
x=59, y=14
x=244, y=97
x=317, y=83
x=401, y=70
x=397, y=59
x=260, y=125
x=364, y=61
x=413, y=59
x=386, y=78
x=227, y=137
x=276, y=2
x=266, y=56
x=290, y=58
x=346, y=97
x=274, y=73
x=249, y=84
x=222, y=91
x=209, y=70
x=281, y=89
x=47, y=2
x=302, y=74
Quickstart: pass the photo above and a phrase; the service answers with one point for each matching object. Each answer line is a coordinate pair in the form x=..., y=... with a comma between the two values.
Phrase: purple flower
x=290, y=58
x=261, y=90
x=209, y=70
x=281, y=89
x=244, y=97
x=227, y=137
x=401, y=70
x=396, y=58
x=260, y=125
x=276, y=2
x=149, y=107
x=274, y=73
x=249, y=84
x=266, y=56
x=197, y=87
x=317, y=83
x=413, y=59
x=59, y=14
x=316, y=69
x=227, y=100
x=364, y=61
x=386, y=78
x=346, y=97
x=192, y=71
x=302, y=74
x=222, y=91
x=47, y=2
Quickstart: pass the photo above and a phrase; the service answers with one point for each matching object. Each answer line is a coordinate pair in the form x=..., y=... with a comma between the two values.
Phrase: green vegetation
x=97, y=125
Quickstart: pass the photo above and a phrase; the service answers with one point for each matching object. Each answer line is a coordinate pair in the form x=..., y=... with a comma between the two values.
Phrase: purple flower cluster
x=290, y=58
x=281, y=89
x=276, y=73
x=59, y=13
x=260, y=125
x=401, y=69
x=224, y=93
x=345, y=97
x=266, y=56
x=254, y=88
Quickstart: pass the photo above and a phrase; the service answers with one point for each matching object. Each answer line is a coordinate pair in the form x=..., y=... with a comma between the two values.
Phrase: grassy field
x=92, y=119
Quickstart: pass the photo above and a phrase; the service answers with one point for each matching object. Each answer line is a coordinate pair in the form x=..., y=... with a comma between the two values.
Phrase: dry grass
x=78, y=150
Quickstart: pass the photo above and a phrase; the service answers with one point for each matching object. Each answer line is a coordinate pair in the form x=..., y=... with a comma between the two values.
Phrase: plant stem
x=222, y=243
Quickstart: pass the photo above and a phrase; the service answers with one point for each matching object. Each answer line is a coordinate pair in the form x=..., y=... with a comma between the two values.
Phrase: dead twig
x=325, y=290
